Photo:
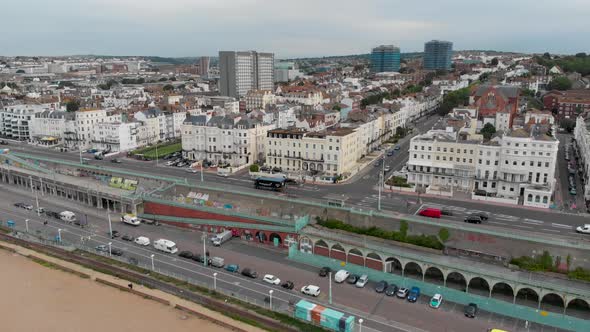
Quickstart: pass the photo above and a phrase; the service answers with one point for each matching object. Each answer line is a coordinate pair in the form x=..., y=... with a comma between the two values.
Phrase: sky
x=289, y=28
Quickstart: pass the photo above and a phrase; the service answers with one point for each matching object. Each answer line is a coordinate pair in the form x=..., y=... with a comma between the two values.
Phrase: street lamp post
x=110, y=243
x=27, y=225
x=157, y=154
x=202, y=171
x=59, y=234
x=361, y=324
x=110, y=225
x=153, y=266
x=330, y=287
x=215, y=281
x=270, y=299
x=204, y=250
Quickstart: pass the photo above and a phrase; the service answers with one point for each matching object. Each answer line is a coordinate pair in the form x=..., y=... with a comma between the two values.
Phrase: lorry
x=165, y=246
x=220, y=238
x=217, y=262
x=130, y=219
x=67, y=216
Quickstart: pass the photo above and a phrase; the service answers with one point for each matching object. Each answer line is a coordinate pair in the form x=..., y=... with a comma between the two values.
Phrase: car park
x=391, y=290
x=362, y=281
x=232, y=268
x=402, y=293
x=186, y=254
x=436, y=301
x=310, y=290
x=249, y=273
x=381, y=286
x=271, y=279
x=127, y=237
x=414, y=294
x=472, y=219
x=585, y=229
x=352, y=279
x=324, y=271
x=470, y=310
x=288, y=284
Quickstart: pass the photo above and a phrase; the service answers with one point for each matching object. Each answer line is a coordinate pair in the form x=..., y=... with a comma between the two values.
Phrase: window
x=506, y=162
x=452, y=150
x=530, y=196
x=514, y=163
x=444, y=158
x=470, y=151
x=470, y=160
x=493, y=184
x=438, y=148
x=437, y=158
x=415, y=156
x=516, y=144
x=422, y=147
x=450, y=158
x=479, y=161
x=538, y=164
x=415, y=147
x=547, y=164
x=444, y=149
x=511, y=189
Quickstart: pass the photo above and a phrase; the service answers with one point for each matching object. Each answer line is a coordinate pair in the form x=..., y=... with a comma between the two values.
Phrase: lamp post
x=110, y=243
x=204, y=250
x=361, y=324
x=202, y=171
x=330, y=288
x=59, y=234
x=153, y=267
x=27, y=225
x=110, y=225
x=215, y=281
x=270, y=299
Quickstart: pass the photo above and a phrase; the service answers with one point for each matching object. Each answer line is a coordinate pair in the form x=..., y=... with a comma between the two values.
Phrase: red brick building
x=491, y=99
x=567, y=104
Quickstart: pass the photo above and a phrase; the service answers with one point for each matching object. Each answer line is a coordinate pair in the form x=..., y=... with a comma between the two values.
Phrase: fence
x=453, y=295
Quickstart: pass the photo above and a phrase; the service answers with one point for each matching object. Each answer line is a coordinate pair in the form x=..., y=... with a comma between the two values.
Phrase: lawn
x=163, y=150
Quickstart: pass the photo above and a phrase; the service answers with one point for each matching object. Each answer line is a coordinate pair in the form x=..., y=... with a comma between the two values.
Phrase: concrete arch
x=321, y=243
x=456, y=280
x=393, y=265
x=434, y=275
x=338, y=252
x=339, y=247
x=355, y=251
x=413, y=270
x=552, y=302
x=374, y=261
x=321, y=248
x=577, y=307
x=502, y=291
x=527, y=296
x=478, y=285
x=374, y=256
x=274, y=236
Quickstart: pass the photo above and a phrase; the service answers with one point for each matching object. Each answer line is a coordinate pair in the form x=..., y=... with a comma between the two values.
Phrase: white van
x=166, y=246
x=67, y=216
x=341, y=275
x=142, y=241
x=130, y=219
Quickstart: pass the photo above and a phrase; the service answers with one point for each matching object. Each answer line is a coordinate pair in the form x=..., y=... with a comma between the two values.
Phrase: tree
x=444, y=235
x=546, y=55
x=581, y=55
x=560, y=83
x=336, y=108
x=168, y=87
x=494, y=62
x=72, y=106
x=20, y=71
x=254, y=168
x=568, y=125
x=488, y=131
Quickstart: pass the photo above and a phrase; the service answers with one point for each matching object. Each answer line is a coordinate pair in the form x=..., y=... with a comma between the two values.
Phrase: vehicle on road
x=482, y=215
x=19, y=205
x=430, y=213
x=40, y=210
x=391, y=290
x=381, y=286
x=414, y=294
x=116, y=161
x=165, y=246
x=470, y=310
x=217, y=262
x=340, y=276
x=396, y=147
x=232, y=268
x=446, y=212
x=142, y=241
x=114, y=234
x=273, y=280
x=362, y=281
x=222, y=237
x=324, y=271
x=102, y=248
x=472, y=219
x=116, y=252
x=390, y=153
x=402, y=293
x=52, y=214
x=67, y=216
x=249, y=273
x=352, y=279
x=127, y=237
x=311, y=290
x=131, y=219
x=585, y=229
x=186, y=254
x=288, y=284
x=386, y=169
x=271, y=183
x=28, y=207
x=436, y=301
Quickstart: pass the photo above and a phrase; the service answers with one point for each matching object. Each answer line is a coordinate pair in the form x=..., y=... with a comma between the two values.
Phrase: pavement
x=380, y=313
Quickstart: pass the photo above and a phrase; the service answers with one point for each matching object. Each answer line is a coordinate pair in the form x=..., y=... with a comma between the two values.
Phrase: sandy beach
x=37, y=298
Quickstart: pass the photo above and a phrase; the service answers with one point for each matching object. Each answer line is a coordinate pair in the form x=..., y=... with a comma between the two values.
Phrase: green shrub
x=254, y=168
x=443, y=234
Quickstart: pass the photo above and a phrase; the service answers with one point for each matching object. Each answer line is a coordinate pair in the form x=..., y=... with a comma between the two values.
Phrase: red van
x=430, y=212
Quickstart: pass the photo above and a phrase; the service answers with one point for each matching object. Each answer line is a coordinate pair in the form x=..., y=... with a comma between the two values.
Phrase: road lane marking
x=561, y=226
x=496, y=222
x=551, y=230
x=531, y=223
x=522, y=226
x=534, y=221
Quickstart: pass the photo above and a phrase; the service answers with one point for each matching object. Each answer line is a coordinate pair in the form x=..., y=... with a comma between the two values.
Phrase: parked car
x=142, y=240
x=585, y=229
x=430, y=212
x=446, y=212
x=396, y=147
x=310, y=290
x=102, y=248
x=470, y=310
x=473, y=219
x=28, y=207
x=340, y=276
x=381, y=286
x=288, y=284
x=436, y=301
x=19, y=205
x=232, y=268
x=116, y=252
x=52, y=214
x=249, y=273
x=387, y=169
x=391, y=290
x=390, y=153
x=200, y=259
x=414, y=294
x=482, y=215
x=352, y=279
x=324, y=271
x=273, y=280
x=114, y=234
x=116, y=161
x=362, y=282
x=186, y=254
x=127, y=237
x=402, y=293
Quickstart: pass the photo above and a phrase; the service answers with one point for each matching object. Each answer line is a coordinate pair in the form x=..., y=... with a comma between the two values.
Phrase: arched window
x=530, y=198
x=545, y=199
x=537, y=198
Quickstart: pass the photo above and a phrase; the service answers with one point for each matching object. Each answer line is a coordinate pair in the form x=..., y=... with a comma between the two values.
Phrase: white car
x=583, y=229
x=142, y=240
x=269, y=278
x=311, y=290
x=436, y=301
x=341, y=275
x=362, y=281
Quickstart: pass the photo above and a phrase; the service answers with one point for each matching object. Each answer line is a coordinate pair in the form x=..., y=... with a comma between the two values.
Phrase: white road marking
x=531, y=223
x=496, y=222
x=522, y=226
x=561, y=226
x=550, y=230
x=534, y=221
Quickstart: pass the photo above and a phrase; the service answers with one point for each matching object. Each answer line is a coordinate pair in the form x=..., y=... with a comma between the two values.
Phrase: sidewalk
x=153, y=294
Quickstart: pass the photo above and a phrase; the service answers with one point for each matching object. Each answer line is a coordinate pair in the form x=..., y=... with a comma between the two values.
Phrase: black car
x=352, y=279
x=381, y=286
x=324, y=271
x=249, y=273
x=391, y=290
x=445, y=212
x=473, y=219
x=20, y=205
x=482, y=215
x=116, y=161
x=186, y=254
x=114, y=234
x=288, y=284
x=127, y=237
x=52, y=214
x=470, y=310
x=116, y=252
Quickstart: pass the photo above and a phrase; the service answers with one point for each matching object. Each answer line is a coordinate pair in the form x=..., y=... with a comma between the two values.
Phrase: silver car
x=362, y=281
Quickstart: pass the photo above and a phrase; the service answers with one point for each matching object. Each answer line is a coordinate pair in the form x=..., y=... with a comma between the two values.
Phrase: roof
x=507, y=91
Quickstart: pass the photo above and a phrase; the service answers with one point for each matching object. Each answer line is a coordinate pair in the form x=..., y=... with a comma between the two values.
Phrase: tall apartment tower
x=385, y=58
x=204, y=66
x=241, y=72
x=438, y=54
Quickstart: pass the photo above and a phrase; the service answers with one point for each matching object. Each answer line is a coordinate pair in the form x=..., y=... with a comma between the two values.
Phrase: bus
x=277, y=184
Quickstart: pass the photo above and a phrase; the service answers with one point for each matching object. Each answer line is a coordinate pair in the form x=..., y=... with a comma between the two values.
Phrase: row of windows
x=444, y=158
x=438, y=149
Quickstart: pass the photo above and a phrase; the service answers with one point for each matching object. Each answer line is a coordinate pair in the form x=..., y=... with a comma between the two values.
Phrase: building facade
x=241, y=72
x=385, y=58
x=15, y=120
x=438, y=55
x=567, y=104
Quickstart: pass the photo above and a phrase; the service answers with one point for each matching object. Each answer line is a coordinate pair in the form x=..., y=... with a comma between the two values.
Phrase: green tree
x=168, y=87
x=568, y=125
x=560, y=83
x=336, y=108
x=403, y=229
x=444, y=235
x=494, y=62
x=20, y=71
x=72, y=106
x=488, y=131
x=254, y=168
x=581, y=55
x=546, y=55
